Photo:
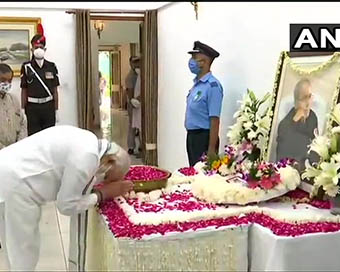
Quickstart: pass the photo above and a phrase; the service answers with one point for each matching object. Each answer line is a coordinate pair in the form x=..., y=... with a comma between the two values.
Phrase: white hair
x=122, y=160
x=298, y=88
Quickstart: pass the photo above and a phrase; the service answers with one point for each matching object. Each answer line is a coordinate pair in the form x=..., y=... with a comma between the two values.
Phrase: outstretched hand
x=117, y=188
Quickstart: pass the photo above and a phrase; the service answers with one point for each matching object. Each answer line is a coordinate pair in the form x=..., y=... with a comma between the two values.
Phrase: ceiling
x=98, y=6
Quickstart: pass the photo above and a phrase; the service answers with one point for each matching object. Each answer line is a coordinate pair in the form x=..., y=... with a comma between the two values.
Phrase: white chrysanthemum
x=290, y=177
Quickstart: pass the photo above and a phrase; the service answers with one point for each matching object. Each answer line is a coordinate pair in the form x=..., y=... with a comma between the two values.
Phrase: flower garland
x=298, y=69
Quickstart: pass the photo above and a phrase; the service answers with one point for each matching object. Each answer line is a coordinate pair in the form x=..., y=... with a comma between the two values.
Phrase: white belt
x=39, y=100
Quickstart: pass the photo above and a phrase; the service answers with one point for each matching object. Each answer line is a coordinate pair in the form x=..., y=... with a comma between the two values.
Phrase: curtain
x=150, y=93
x=87, y=90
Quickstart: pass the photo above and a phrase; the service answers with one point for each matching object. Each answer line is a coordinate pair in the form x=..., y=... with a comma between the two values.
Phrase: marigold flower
x=216, y=164
x=225, y=160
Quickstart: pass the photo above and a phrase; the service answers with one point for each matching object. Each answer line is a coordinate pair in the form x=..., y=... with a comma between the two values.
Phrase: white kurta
x=137, y=112
x=55, y=164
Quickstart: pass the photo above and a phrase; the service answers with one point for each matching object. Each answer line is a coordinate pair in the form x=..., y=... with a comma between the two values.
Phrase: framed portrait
x=305, y=91
x=16, y=34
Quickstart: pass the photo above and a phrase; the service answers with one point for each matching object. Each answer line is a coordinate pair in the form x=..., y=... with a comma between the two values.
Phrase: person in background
x=13, y=124
x=130, y=83
x=102, y=86
x=39, y=88
x=137, y=108
x=204, y=103
x=296, y=130
x=61, y=164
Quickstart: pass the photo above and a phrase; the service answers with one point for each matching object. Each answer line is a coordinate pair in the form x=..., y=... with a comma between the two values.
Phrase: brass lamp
x=99, y=26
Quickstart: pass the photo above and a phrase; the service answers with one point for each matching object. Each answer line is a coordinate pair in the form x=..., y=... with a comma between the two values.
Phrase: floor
x=54, y=227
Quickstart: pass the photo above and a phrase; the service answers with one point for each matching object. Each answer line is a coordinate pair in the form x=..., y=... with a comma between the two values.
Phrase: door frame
x=140, y=19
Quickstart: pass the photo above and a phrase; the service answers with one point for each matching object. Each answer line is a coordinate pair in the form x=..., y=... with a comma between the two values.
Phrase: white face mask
x=39, y=53
x=5, y=87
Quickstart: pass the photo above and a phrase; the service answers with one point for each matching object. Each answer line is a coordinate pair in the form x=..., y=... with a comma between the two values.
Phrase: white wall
x=86, y=5
x=249, y=37
x=59, y=30
x=118, y=32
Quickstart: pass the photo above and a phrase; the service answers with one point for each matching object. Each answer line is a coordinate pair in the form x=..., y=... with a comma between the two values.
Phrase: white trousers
x=78, y=237
x=19, y=230
x=20, y=236
x=3, y=232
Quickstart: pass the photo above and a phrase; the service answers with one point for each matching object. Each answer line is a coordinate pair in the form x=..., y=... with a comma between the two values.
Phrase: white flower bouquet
x=250, y=133
x=326, y=172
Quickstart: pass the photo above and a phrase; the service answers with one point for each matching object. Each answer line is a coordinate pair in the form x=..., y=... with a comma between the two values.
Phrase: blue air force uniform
x=203, y=102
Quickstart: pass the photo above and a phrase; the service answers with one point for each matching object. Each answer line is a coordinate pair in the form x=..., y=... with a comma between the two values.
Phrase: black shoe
x=130, y=151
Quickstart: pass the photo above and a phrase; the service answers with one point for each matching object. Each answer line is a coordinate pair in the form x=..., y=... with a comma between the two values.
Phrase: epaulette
x=213, y=84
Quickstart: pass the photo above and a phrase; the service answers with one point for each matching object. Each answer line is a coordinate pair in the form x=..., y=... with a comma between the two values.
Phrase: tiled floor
x=54, y=227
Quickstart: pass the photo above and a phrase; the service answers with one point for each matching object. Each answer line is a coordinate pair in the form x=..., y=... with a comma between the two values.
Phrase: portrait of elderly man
x=297, y=128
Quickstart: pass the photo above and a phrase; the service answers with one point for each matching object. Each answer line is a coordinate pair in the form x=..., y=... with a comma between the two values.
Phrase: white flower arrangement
x=326, y=172
x=301, y=215
x=256, y=180
x=215, y=188
x=252, y=124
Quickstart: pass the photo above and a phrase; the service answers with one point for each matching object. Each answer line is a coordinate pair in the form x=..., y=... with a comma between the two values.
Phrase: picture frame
x=316, y=76
x=15, y=43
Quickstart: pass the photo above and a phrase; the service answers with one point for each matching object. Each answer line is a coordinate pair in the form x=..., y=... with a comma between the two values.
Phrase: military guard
x=204, y=102
x=39, y=92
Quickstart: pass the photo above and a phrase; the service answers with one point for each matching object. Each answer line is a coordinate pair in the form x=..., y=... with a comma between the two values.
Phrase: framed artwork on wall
x=16, y=34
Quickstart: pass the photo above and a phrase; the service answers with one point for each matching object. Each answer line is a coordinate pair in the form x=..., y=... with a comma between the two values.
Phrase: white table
x=310, y=252
x=233, y=248
x=224, y=249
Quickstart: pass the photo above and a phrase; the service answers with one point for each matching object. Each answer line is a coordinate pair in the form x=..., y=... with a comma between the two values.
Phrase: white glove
x=135, y=103
x=56, y=116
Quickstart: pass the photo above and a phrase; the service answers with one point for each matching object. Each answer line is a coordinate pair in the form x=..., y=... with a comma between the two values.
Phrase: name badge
x=49, y=75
